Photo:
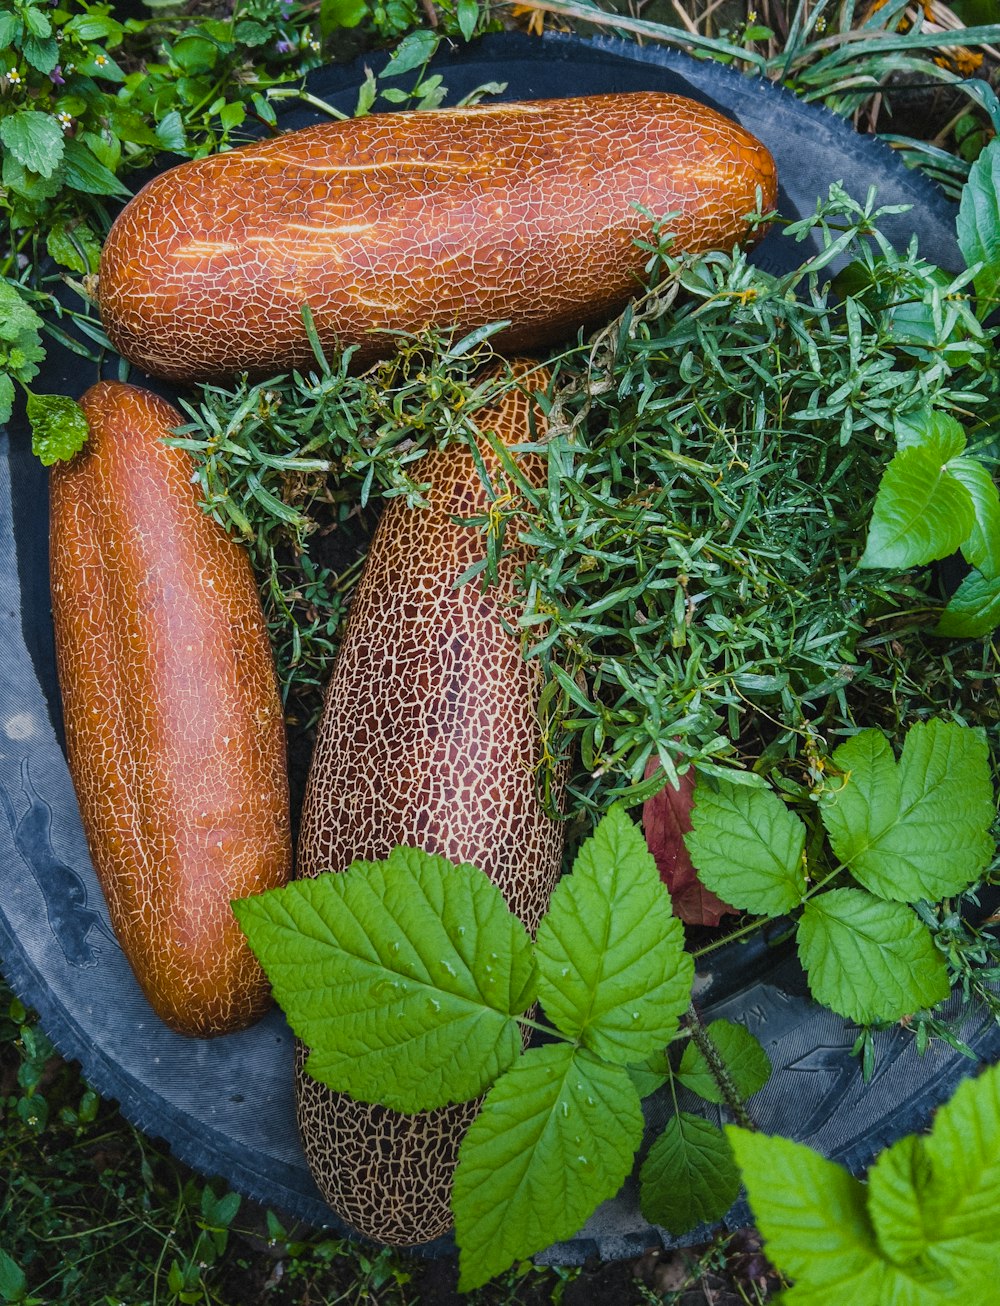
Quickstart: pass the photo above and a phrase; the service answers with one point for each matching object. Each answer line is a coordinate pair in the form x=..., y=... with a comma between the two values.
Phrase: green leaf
x=929, y=426
x=650, y=1073
x=58, y=427
x=251, y=33
x=36, y=22
x=811, y=1212
x=23, y=358
x=41, y=53
x=85, y=173
x=76, y=247
x=34, y=139
x=555, y=1136
x=982, y=548
x=747, y=847
x=13, y=1284
x=402, y=976
x=17, y=318
x=6, y=398
x=690, y=1176
x=194, y=54
x=467, y=12
x=978, y=227
x=612, y=970
x=896, y=1186
x=104, y=146
x=334, y=14
x=869, y=960
x=413, y=51
x=746, y=1061
x=922, y=511
x=919, y=829
x=933, y=1200
x=11, y=28
x=232, y=114
x=973, y=610
x=170, y=131
x=94, y=27
x=32, y=186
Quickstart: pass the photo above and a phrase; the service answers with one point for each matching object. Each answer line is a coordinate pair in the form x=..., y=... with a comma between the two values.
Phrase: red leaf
x=666, y=818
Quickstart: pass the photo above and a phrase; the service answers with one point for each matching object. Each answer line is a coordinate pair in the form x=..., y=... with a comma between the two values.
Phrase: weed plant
x=695, y=593
x=94, y=1213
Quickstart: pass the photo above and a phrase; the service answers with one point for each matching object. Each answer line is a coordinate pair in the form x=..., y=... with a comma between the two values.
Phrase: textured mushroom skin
x=452, y=218
x=430, y=738
x=174, y=731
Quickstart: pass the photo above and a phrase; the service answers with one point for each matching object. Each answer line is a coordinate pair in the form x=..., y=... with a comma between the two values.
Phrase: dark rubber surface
x=225, y=1106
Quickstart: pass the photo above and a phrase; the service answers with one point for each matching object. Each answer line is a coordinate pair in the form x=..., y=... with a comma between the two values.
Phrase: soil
x=730, y=1272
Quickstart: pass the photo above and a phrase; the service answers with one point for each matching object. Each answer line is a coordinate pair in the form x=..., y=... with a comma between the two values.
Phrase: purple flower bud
x=284, y=47
x=56, y=77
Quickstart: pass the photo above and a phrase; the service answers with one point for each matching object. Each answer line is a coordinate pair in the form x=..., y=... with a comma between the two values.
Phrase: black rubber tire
x=225, y=1106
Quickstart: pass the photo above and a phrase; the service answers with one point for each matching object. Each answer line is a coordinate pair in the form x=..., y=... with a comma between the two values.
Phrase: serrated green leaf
x=555, y=1137
x=921, y=511
x=34, y=139
x=978, y=227
x=17, y=318
x=690, y=1176
x=24, y=357
x=919, y=829
x=6, y=398
x=982, y=547
x=878, y=1284
x=650, y=1073
x=929, y=426
x=85, y=173
x=11, y=27
x=76, y=247
x=747, y=1064
x=41, y=52
x=36, y=22
x=612, y=970
x=58, y=427
x=973, y=610
x=747, y=847
x=933, y=1200
x=896, y=1184
x=403, y=977
x=867, y=959
x=31, y=186
x=811, y=1212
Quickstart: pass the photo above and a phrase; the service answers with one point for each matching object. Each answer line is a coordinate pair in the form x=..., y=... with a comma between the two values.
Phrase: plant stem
x=719, y=1070
x=545, y=1029
x=741, y=933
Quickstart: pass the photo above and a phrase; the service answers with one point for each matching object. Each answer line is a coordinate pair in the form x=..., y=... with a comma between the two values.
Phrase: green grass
x=93, y=1213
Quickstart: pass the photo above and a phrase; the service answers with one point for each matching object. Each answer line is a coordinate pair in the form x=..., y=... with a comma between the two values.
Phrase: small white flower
x=14, y=77
x=65, y=120
x=315, y=45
